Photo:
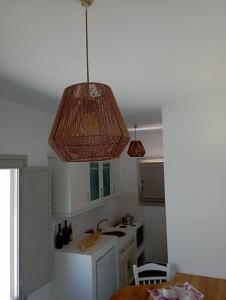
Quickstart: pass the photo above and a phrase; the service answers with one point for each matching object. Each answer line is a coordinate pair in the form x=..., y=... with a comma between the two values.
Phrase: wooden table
x=212, y=288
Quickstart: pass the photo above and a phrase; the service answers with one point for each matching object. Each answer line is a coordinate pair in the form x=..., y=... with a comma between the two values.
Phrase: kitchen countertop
x=103, y=242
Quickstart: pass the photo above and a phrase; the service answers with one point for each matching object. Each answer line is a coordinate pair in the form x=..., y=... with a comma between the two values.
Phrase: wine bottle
x=70, y=232
x=59, y=238
x=65, y=232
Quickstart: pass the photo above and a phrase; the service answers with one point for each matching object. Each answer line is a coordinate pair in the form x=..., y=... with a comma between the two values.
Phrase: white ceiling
x=151, y=52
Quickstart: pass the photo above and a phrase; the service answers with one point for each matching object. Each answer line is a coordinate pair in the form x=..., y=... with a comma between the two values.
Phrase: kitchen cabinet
x=70, y=188
x=106, y=275
x=85, y=276
x=95, y=181
x=115, y=177
x=106, y=167
x=77, y=187
x=127, y=258
x=100, y=185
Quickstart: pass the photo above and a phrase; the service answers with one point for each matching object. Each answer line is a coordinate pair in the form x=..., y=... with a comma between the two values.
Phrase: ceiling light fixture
x=146, y=128
x=136, y=148
x=88, y=125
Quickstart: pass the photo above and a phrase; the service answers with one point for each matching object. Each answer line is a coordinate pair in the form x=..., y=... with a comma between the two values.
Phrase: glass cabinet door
x=94, y=181
x=106, y=179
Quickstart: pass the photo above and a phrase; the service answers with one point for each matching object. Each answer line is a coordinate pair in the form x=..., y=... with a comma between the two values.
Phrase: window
x=151, y=182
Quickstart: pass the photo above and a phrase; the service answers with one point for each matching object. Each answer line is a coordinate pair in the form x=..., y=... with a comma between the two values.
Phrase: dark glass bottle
x=70, y=232
x=65, y=232
x=59, y=238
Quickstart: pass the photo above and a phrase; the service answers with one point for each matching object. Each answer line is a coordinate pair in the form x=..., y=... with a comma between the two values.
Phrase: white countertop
x=103, y=243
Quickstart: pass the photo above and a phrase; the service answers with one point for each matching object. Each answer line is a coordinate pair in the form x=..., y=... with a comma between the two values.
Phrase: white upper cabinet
x=70, y=186
x=115, y=177
x=78, y=187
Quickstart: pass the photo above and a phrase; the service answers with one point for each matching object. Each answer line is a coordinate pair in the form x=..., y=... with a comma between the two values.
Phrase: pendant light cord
x=87, y=46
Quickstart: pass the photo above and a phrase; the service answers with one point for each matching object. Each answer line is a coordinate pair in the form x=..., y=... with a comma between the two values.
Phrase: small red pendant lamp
x=88, y=125
x=136, y=148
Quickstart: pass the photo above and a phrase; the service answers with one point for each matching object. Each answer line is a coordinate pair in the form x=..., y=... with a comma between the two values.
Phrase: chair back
x=151, y=273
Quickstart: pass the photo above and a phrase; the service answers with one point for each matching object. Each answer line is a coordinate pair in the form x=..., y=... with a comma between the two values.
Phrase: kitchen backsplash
x=90, y=219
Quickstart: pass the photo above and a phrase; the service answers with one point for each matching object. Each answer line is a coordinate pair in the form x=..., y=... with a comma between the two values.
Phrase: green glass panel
x=94, y=181
x=106, y=179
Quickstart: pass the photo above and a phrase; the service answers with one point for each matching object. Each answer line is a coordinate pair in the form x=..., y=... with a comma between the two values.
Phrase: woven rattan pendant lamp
x=136, y=148
x=88, y=125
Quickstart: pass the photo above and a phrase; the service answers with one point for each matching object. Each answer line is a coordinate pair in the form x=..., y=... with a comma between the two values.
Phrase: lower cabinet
x=127, y=259
x=85, y=276
x=106, y=275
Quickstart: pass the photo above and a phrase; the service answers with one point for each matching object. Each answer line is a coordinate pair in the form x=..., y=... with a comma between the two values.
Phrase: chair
x=151, y=273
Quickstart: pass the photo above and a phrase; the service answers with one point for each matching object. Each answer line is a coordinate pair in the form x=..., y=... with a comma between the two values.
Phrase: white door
x=106, y=275
x=35, y=228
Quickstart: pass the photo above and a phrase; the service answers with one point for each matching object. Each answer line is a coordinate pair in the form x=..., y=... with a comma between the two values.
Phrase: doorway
x=9, y=224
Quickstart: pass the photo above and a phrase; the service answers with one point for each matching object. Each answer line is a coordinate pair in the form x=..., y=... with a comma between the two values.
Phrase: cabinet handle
x=101, y=192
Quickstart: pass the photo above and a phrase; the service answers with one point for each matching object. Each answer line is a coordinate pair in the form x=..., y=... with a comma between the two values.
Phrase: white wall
x=195, y=172
x=152, y=217
x=24, y=131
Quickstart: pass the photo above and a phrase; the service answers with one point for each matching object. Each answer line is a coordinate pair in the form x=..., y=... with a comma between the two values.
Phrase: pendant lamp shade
x=136, y=149
x=88, y=125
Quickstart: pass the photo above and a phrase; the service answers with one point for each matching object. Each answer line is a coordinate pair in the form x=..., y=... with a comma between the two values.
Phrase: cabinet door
x=115, y=177
x=122, y=275
x=126, y=262
x=61, y=202
x=129, y=265
x=106, y=275
x=94, y=181
x=106, y=179
x=79, y=176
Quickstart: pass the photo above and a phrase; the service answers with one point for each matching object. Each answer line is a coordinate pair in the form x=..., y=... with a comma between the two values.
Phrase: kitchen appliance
x=139, y=228
x=127, y=219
